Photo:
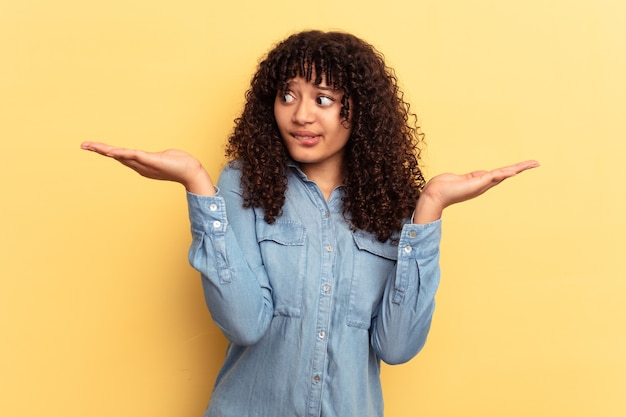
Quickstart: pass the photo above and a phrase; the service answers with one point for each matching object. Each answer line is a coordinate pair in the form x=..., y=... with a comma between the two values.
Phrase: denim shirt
x=309, y=306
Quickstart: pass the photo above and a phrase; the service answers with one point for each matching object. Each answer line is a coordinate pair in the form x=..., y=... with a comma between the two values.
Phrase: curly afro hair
x=384, y=145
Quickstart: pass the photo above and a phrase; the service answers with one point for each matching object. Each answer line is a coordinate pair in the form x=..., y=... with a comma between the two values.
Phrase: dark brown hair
x=381, y=155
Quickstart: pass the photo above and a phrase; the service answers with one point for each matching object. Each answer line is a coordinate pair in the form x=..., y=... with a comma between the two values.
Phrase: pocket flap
x=369, y=243
x=281, y=232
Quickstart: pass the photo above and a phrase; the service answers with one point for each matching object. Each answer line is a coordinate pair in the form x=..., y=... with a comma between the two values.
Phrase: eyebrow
x=327, y=88
x=318, y=86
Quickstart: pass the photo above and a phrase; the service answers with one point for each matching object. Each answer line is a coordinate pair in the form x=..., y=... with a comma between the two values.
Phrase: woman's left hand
x=447, y=189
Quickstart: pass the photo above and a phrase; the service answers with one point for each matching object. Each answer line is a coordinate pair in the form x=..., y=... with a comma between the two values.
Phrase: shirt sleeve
x=235, y=284
x=400, y=328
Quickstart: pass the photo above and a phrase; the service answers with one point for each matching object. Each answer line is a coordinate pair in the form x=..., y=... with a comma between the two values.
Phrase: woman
x=319, y=247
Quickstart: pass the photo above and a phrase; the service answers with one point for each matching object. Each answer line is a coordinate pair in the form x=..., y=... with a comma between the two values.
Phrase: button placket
x=326, y=280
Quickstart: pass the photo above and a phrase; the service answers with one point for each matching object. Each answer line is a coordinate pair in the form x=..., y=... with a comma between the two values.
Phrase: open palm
x=450, y=188
x=447, y=189
x=169, y=165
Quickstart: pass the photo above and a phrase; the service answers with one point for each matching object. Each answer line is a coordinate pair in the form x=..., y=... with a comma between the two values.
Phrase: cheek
x=280, y=116
x=344, y=128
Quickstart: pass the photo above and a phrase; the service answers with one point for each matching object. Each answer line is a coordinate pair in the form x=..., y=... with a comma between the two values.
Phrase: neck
x=327, y=178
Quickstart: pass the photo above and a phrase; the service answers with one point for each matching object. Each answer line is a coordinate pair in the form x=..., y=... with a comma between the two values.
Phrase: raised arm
x=447, y=189
x=169, y=165
x=400, y=328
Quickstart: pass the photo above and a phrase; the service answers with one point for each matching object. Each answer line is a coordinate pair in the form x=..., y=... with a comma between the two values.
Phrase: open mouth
x=306, y=138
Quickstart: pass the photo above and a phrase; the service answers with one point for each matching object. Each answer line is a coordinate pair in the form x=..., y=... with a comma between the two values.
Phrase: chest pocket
x=373, y=263
x=282, y=246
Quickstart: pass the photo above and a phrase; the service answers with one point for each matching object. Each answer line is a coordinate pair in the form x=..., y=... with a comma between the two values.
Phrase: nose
x=304, y=113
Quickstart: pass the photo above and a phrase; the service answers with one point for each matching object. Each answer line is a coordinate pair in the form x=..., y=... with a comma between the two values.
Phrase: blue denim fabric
x=310, y=307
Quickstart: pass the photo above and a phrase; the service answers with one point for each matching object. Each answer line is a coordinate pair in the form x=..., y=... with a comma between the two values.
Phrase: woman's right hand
x=169, y=165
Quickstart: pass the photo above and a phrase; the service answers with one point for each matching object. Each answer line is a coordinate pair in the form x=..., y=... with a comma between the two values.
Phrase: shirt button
x=329, y=248
x=408, y=249
x=217, y=224
x=322, y=334
x=412, y=233
x=213, y=207
x=326, y=288
x=317, y=379
x=326, y=214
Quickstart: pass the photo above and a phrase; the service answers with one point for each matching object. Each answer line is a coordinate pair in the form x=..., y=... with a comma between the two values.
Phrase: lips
x=305, y=137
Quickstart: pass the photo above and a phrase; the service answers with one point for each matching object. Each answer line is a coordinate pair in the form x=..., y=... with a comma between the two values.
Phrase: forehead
x=300, y=81
x=316, y=70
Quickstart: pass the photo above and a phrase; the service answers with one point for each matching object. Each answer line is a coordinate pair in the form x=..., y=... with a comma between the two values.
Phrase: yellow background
x=101, y=316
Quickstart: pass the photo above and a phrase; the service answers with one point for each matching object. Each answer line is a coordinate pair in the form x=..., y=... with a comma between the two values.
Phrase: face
x=308, y=118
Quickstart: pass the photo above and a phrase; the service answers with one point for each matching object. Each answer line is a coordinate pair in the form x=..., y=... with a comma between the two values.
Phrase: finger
x=520, y=166
x=476, y=174
x=98, y=147
x=127, y=154
x=112, y=151
x=523, y=166
x=492, y=178
x=503, y=173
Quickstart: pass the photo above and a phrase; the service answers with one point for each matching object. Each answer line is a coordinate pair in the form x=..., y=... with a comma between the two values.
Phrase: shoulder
x=230, y=177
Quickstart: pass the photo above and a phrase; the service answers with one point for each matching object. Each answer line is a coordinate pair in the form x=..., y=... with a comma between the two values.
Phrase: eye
x=286, y=97
x=325, y=101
